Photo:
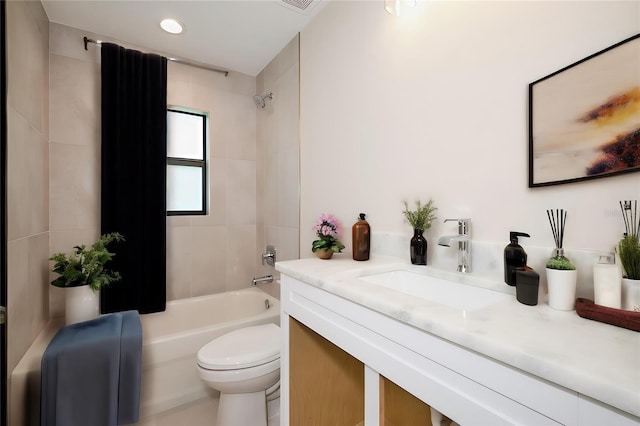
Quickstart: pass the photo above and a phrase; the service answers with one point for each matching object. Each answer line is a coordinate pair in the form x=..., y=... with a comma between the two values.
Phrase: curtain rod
x=177, y=61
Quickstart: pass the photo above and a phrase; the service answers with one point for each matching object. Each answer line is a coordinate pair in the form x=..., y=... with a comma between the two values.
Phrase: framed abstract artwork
x=584, y=120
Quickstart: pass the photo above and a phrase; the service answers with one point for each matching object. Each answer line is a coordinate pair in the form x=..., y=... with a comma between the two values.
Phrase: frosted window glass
x=185, y=135
x=184, y=188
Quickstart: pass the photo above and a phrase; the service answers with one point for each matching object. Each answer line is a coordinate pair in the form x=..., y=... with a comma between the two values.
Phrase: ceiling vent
x=300, y=6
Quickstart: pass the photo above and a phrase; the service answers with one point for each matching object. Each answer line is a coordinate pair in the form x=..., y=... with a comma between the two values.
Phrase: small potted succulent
x=420, y=219
x=83, y=272
x=629, y=252
x=562, y=275
x=328, y=230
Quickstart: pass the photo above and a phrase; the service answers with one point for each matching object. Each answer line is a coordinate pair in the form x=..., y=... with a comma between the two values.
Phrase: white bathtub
x=173, y=338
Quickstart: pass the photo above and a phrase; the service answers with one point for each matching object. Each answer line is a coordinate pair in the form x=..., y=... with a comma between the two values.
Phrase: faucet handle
x=463, y=225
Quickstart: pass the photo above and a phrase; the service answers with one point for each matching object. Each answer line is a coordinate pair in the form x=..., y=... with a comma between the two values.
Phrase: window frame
x=202, y=164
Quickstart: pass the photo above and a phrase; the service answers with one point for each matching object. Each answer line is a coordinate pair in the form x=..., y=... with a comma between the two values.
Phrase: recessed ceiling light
x=172, y=26
x=398, y=7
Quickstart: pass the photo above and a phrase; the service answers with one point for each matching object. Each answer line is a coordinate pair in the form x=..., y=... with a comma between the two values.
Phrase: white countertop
x=597, y=360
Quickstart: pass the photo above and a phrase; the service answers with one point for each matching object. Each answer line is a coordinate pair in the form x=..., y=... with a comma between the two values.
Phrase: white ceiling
x=236, y=35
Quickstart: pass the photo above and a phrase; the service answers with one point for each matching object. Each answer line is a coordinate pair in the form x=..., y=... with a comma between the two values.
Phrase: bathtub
x=171, y=340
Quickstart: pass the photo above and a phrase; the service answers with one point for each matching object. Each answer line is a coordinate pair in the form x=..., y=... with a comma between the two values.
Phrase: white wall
x=435, y=105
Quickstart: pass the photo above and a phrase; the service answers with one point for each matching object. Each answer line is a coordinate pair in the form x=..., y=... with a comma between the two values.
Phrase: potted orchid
x=328, y=229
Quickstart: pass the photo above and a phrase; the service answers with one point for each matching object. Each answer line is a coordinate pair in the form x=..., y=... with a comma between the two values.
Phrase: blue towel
x=91, y=373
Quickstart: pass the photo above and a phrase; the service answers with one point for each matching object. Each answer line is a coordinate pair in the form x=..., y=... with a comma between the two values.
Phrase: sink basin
x=449, y=293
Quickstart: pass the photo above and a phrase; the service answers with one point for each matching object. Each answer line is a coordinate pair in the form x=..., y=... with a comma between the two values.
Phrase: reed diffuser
x=562, y=275
x=557, y=221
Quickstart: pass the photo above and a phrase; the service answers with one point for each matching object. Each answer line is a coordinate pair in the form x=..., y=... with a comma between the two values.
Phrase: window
x=186, y=162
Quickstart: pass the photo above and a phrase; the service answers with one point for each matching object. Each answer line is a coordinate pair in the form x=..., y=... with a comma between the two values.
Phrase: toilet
x=242, y=364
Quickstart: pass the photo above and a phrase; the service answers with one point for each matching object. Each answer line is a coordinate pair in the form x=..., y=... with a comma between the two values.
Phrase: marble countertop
x=597, y=360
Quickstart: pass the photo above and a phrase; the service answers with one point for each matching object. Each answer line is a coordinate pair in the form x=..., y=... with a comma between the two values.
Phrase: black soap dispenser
x=514, y=257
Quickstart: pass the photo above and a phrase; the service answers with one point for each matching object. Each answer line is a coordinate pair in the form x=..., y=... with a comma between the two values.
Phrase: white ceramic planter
x=630, y=294
x=562, y=289
x=81, y=304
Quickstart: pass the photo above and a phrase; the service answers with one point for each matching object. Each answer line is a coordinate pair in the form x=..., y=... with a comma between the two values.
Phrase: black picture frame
x=584, y=119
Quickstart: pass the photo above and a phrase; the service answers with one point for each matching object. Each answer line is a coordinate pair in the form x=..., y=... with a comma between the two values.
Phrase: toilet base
x=241, y=409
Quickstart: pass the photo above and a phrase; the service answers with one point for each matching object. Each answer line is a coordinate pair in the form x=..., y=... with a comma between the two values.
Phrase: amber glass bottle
x=360, y=239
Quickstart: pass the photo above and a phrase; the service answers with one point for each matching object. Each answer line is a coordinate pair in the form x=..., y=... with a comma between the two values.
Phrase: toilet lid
x=242, y=348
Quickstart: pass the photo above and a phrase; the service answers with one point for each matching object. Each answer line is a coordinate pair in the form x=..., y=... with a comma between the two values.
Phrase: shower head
x=261, y=101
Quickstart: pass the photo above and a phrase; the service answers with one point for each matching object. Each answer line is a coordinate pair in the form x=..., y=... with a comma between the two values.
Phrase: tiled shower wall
x=278, y=156
x=206, y=254
x=27, y=175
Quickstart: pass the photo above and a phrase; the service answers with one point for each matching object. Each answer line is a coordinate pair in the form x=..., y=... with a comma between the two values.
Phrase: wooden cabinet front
x=326, y=383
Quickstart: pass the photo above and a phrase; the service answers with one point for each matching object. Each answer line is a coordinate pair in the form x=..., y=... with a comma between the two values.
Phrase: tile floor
x=200, y=413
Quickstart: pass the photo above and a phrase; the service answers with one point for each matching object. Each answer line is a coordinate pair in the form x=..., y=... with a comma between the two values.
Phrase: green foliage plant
x=629, y=245
x=629, y=252
x=86, y=266
x=423, y=215
x=561, y=263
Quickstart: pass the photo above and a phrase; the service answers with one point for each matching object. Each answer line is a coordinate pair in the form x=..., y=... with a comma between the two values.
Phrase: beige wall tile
x=241, y=192
x=179, y=221
x=203, y=93
x=179, y=85
x=278, y=148
x=27, y=177
x=240, y=133
x=241, y=264
x=209, y=258
x=67, y=41
x=75, y=101
x=179, y=260
x=288, y=183
x=18, y=134
x=74, y=187
x=270, y=185
x=289, y=241
x=27, y=42
x=38, y=282
x=18, y=313
x=218, y=128
x=38, y=183
x=288, y=107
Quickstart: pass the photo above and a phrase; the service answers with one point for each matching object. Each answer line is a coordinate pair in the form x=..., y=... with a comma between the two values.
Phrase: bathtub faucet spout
x=260, y=280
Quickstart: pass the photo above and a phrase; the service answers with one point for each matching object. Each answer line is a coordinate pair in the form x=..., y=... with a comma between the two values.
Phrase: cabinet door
x=399, y=408
x=326, y=384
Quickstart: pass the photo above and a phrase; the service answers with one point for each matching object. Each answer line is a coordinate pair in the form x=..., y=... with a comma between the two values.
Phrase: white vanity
x=472, y=353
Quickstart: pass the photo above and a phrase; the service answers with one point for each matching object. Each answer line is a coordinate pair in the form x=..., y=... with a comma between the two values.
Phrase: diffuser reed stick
x=557, y=221
x=630, y=217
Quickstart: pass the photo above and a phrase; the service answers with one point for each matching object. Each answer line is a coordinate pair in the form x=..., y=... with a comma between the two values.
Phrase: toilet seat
x=243, y=348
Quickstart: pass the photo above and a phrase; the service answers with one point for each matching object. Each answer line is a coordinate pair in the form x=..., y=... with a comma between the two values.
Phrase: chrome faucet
x=464, y=244
x=265, y=279
x=270, y=256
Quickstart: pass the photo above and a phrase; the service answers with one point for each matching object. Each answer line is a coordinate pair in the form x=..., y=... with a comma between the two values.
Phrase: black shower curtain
x=134, y=151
